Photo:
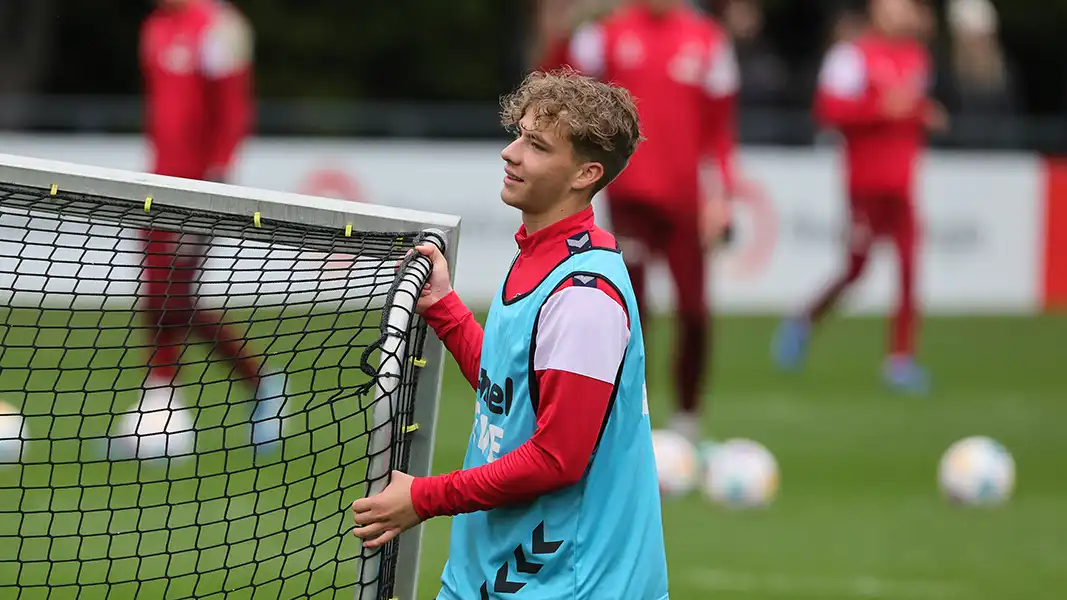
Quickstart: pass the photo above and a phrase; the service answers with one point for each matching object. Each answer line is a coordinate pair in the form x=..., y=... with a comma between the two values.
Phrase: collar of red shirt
x=183, y=8
x=659, y=16
x=530, y=243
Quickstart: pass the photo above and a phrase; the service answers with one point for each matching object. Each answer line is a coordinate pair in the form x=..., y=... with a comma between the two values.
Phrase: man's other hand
x=716, y=220
x=936, y=118
x=382, y=517
x=439, y=284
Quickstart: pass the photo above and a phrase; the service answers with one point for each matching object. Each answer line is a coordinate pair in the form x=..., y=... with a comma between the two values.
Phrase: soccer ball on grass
x=740, y=473
x=977, y=471
x=159, y=427
x=677, y=462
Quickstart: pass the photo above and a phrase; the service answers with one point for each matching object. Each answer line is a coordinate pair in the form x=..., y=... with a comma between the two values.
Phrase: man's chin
x=510, y=198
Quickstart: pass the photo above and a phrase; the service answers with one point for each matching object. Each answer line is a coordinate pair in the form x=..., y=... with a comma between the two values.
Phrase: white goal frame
x=278, y=206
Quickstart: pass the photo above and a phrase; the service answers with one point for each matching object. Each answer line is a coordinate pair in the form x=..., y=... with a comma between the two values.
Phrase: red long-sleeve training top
x=581, y=337
x=682, y=69
x=880, y=151
x=196, y=60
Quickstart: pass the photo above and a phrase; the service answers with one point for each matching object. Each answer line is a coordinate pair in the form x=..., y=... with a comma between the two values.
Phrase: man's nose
x=510, y=153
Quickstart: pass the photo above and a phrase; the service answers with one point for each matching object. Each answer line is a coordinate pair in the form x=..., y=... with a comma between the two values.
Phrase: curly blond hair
x=600, y=119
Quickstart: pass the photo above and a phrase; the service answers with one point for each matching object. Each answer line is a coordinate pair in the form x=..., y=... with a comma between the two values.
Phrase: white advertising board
x=981, y=216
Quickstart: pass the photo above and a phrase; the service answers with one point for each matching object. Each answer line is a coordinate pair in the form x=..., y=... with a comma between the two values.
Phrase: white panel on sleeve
x=226, y=46
x=844, y=73
x=587, y=49
x=584, y=331
x=724, y=77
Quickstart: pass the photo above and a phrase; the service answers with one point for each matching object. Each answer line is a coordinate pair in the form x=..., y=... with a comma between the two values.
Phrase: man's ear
x=589, y=174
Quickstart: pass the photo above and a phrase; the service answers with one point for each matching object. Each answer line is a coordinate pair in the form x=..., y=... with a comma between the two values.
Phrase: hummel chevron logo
x=584, y=281
x=502, y=584
x=524, y=566
x=540, y=546
x=579, y=242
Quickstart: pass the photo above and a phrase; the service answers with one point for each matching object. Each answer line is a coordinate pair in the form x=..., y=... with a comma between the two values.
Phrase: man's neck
x=661, y=10
x=890, y=34
x=180, y=7
x=567, y=208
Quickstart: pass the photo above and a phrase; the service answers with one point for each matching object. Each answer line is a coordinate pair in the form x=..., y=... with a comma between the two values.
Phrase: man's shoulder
x=626, y=13
x=602, y=238
x=591, y=293
x=595, y=238
x=864, y=44
x=226, y=39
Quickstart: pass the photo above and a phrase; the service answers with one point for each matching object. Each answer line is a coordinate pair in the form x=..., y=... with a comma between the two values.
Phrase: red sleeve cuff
x=422, y=493
x=445, y=314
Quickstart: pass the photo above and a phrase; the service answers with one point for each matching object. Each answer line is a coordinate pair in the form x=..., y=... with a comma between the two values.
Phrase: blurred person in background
x=196, y=61
x=981, y=80
x=926, y=22
x=848, y=25
x=873, y=91
x=681, y=67
x=845, y=24
x=764, y=78
x=557, y=19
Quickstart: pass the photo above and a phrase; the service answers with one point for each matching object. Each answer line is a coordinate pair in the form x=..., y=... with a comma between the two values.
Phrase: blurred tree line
x=369, y=49
x=454, y=50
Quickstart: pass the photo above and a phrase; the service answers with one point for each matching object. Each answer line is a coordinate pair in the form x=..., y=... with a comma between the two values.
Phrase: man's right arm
x=461, y=334
x=843, y=98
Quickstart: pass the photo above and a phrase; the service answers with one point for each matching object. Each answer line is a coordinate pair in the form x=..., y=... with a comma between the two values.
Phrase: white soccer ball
x=977, y=471
x=159, y=427
x=677, y=462
x=740, y=473
x=12, y=433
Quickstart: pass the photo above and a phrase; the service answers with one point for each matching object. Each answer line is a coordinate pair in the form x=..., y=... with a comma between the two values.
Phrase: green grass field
x=859, y=514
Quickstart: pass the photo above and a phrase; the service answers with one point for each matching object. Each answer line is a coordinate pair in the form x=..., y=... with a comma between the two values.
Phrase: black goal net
x=190, y=401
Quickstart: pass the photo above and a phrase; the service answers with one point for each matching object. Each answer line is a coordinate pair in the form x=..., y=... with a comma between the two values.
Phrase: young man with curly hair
x=558, y=495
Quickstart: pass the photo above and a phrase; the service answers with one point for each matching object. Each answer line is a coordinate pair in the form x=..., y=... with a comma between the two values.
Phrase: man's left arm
x=226, y=53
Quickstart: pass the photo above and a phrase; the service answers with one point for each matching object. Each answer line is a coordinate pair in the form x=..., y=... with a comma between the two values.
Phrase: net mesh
x=234, y=478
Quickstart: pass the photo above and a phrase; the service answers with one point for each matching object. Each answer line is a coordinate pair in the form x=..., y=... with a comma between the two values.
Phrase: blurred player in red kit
x=196, y=60
x=681, y=67
x=873, y=91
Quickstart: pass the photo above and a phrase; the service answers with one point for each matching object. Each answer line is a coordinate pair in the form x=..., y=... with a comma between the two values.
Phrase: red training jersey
x=582, y=332
x=880, y=152
x=681, y=68
x=196, y=63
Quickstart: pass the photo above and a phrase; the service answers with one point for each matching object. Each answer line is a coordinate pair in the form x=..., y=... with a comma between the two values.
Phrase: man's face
x=540, y=167
x=894, y=17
